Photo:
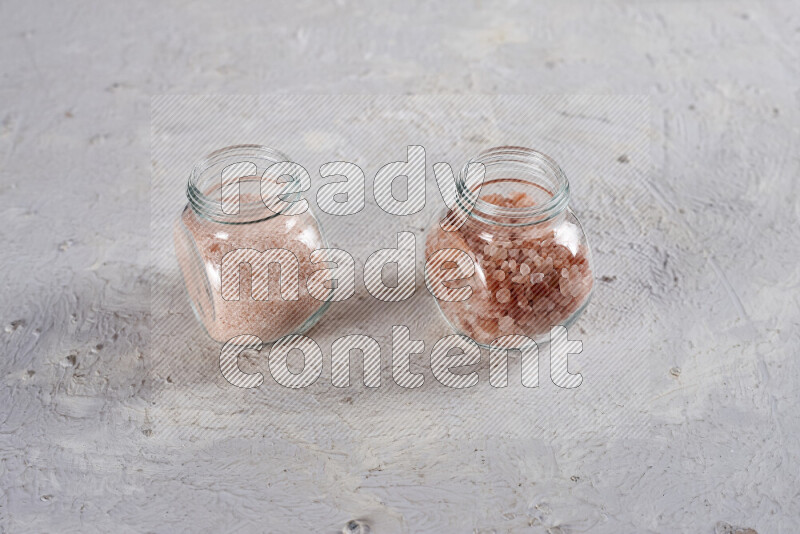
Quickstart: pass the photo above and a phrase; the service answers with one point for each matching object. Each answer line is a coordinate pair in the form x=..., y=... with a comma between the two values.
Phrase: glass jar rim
x=543, y=173
x=201, y=186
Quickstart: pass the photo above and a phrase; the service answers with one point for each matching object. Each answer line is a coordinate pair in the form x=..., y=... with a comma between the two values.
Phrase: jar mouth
x=509, y=170
x=237, y=201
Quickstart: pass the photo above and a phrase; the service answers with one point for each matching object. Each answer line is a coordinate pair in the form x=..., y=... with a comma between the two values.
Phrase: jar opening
x=535, y=182
x=225, y=186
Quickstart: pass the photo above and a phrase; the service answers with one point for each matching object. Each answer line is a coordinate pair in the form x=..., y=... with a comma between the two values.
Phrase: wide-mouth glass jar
x=225, y=213
x=532, y=263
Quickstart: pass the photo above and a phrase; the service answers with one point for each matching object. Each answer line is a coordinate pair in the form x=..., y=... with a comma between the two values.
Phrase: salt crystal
x=506, y=323
x=564, y=287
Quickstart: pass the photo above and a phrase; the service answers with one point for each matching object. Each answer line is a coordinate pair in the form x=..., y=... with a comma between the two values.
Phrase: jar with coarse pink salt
x=244, y=246
x=532, y=264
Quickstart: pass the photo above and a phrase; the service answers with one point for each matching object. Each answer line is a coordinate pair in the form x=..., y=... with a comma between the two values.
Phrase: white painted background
x=92, y=438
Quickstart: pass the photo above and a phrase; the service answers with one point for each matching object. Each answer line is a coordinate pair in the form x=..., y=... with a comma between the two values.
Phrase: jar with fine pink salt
x=228, y=219
x=532, y=264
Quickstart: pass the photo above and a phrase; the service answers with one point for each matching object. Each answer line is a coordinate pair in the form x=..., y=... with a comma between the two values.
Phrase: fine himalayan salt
x=200, y=247
x=546, y=280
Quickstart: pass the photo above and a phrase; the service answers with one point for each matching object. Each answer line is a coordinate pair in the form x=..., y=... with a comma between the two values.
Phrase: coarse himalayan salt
x=549, y=280
x=200, y=247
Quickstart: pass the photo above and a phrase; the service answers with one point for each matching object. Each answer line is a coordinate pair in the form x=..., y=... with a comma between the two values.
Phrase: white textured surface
x=85, y=443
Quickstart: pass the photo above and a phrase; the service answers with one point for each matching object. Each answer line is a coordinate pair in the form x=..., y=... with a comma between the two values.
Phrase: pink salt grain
x=506, y=323
x=503, y=296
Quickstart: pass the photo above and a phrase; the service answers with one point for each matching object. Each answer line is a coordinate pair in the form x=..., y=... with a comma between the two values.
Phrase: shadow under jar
x=225, y=212
x=533, y=267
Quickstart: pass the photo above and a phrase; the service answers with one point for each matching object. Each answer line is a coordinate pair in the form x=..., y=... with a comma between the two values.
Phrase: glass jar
x=225, y=212
x=532, y=264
